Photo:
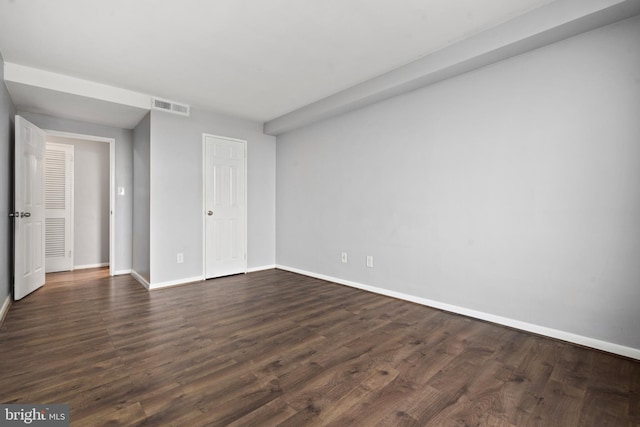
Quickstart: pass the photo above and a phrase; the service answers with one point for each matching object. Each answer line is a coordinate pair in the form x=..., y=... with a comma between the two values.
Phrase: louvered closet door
x=58, y=165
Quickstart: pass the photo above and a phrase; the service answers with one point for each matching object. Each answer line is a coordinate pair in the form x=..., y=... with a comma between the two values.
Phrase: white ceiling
x=255, y=59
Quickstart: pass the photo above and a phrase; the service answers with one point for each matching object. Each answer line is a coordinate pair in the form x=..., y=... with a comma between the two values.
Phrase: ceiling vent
x=170, y=106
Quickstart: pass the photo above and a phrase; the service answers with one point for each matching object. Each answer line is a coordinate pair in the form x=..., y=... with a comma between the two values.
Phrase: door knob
x=209, y=213
x=25, y=214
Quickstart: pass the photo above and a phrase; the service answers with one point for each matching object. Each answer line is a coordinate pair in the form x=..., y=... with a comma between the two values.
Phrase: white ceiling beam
x=71, y=85
x=548, y=24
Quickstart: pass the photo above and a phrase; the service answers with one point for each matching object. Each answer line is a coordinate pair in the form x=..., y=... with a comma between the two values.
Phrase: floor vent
x=170, y=106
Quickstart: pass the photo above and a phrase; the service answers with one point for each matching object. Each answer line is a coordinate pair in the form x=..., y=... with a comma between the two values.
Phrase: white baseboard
x=261, y=268
x=152, y=286
x=121, y=272
x=5, y=308
x=85, y=266
x=140, y=279
x=176, y=282
x=201, y=278
x=630, y=352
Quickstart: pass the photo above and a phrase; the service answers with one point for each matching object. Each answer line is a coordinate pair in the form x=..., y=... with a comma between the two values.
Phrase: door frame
x=112, y=185
x=204, y=201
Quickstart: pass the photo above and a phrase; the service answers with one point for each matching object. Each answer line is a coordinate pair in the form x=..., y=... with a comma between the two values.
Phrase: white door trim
x=112, y=186
x=204, y=208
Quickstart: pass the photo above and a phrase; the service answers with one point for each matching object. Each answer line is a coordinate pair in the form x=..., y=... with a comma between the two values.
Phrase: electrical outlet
x=180, y=258
x=369, y=261
x=344, y=257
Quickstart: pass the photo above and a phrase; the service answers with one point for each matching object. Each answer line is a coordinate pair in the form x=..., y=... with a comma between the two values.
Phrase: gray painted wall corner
x=141, y=198
x=511, y=190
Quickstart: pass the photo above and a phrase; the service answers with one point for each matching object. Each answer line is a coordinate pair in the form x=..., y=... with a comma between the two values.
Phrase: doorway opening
x=91, y=220
x=64, y=279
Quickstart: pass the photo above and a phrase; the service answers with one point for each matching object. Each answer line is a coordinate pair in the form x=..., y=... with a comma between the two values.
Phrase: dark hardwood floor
x=275, y=348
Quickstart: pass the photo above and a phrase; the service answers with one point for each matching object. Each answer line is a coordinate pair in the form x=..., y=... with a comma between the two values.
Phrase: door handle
x=209, y=213
x=25, y=214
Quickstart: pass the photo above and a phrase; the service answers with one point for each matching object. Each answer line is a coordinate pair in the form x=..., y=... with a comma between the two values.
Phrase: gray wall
x=176, y=213
x=141, y=198
x=90, y=201
x=124, y=176
x=7, y=113
x=511, y=190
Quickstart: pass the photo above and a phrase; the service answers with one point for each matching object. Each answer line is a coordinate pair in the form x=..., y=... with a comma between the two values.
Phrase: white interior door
x=29, y=230
x=224, y=206
x=58, y=201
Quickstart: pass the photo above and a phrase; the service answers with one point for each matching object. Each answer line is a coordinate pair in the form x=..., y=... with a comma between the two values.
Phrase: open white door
x=225, y=206
x=29, y=231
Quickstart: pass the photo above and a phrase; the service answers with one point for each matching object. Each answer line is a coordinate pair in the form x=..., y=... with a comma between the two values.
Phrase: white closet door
x=58, y=207
x=225, y=207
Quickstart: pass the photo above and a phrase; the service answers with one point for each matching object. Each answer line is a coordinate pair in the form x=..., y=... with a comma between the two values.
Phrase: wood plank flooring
x=274, y=348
